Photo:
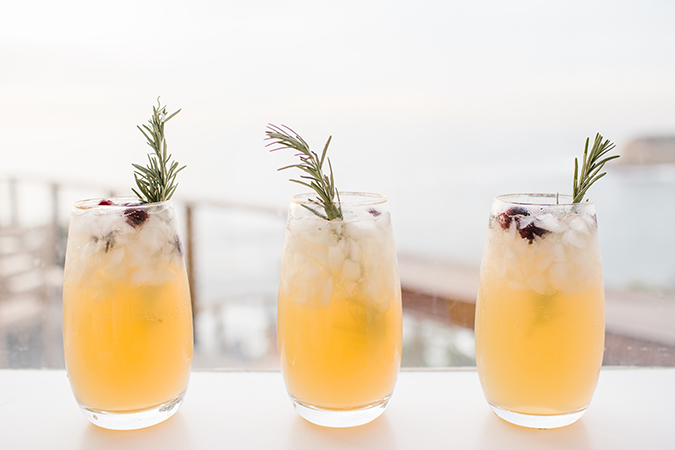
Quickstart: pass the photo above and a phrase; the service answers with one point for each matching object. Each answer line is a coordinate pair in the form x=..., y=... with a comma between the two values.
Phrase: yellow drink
x=129, y=347
x=127, y=320
x=540, y=312
x=344, y=356
x=339, y=312
x=539, y=354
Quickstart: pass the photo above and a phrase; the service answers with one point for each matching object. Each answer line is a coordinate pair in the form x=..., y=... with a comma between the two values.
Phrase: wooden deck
x=639, y=325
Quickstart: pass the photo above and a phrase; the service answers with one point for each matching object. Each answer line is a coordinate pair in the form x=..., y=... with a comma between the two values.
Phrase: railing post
x=53, y=351
x=53, y=254
x=190, y=257
x=13, y=202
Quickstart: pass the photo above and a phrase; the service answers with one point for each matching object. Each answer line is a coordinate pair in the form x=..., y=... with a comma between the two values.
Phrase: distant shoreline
x=649, y=151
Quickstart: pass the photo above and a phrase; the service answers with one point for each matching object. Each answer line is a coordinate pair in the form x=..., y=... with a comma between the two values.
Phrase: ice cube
x=86, y=249
x=326, y=292
x=310, y=233
x=574, y=238
x=517, y=277
x=290, y=264
x=360, y=230
x=550, y=223
x=310, y=249
x=543, y=261
x=310, y=273
x=351, y=270
x=539, y=283
x=383, y=220
x=516, y=280
x=106, y=221
x=115, y=256
x=149, y=275
x=350, y=286
x=558, y=252
x=155, y=235
x=353, y=250
x=500, y=267
x=590, y=220
x=336, y=256
x=524, y=221
x=578, y=224
x=560, y=274
x=375, y=290
x=510, y=257
x=307, y=282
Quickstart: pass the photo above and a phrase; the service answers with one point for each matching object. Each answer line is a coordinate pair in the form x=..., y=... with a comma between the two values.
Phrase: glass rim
x=510, y=198
x=356, y=198
x=124, y=202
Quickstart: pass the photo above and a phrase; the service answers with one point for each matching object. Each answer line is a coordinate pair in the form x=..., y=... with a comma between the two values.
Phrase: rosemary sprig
x=324, y=185
x=590, y=166
x=157, y=181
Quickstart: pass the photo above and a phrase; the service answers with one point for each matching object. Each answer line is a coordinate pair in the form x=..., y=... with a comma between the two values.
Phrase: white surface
x=430, y=410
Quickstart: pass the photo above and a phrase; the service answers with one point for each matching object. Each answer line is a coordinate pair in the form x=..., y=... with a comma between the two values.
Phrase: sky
x=436, y=104
x=450, y=79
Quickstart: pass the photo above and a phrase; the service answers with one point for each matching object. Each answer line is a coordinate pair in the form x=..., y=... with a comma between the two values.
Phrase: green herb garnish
x=590, y=166
x=324, y=185
x=157, y=181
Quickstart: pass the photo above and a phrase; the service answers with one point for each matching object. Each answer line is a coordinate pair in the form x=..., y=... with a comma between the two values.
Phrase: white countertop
x=443, y=409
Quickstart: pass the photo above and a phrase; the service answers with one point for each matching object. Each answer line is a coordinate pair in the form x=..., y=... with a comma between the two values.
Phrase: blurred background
x=438, y=105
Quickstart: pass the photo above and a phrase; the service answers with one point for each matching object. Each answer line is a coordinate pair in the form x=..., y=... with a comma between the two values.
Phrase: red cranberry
x=530, y=231
x=517, y=211
x=504, y=221
x=105, y=202
x=136, y=217
x=505, y=218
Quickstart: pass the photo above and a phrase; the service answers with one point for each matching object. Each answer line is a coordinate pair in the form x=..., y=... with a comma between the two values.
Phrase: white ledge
x=430, y=409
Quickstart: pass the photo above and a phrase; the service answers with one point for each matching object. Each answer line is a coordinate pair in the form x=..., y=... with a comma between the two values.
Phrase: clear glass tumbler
x=540, y=323
x=127, y=317
x=339, y=311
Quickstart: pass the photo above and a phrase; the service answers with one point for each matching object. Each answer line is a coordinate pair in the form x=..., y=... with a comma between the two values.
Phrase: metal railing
x=41, y=240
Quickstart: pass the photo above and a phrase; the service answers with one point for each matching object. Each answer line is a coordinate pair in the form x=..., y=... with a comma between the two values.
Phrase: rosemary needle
x=591, y=164
x=312, y=165
x=157, y=181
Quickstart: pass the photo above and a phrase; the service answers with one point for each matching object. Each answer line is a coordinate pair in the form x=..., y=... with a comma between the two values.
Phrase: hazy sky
x=393, y=81
x=439, y=104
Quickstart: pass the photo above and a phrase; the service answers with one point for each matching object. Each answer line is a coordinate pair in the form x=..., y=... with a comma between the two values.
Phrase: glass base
x=133, y=420
x=340, y=418
x=540, y=422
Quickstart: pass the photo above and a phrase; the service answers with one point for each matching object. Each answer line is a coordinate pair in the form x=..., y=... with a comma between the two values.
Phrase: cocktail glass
x=127, y=317
x=540, y=311
x=339, y=311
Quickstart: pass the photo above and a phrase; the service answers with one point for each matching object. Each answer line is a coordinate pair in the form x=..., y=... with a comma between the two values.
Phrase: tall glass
x=540, y=313
x=339, y=311
x=127, y=318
